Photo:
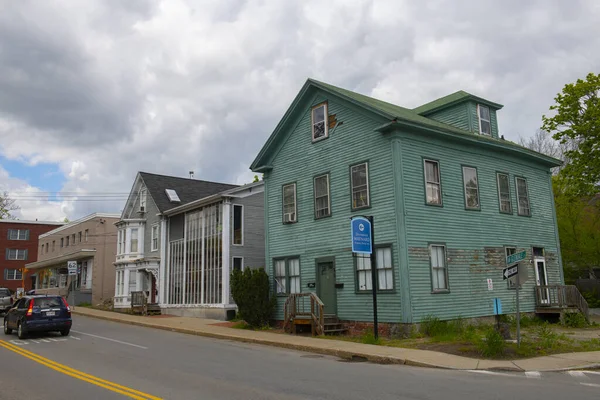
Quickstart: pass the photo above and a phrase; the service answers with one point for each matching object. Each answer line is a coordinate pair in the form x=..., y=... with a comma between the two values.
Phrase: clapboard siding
x=457, y=115
x=467, y=234
x=253, y=249
x=299, y=160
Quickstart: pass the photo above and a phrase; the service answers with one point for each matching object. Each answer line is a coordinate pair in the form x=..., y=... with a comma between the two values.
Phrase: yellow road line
x=115, y=387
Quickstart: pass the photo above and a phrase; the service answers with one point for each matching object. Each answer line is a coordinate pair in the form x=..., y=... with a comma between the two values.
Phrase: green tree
x=576, y=123
x=66, y=220
x=578, y=219
x=251, y=292
x=7, y=206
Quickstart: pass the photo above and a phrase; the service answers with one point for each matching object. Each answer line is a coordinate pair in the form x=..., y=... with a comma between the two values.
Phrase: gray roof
x=187, y=189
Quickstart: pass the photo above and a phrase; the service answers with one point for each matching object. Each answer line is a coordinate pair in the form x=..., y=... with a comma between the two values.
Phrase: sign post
x=513, y=270
x=363, y=242
x=72, y=269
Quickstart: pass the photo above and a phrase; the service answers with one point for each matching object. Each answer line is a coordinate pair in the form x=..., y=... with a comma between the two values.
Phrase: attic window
x=319, y=122
x=485, y=126
x=172, y=195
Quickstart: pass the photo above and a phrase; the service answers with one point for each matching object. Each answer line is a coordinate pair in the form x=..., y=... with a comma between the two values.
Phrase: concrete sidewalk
x=349, y=350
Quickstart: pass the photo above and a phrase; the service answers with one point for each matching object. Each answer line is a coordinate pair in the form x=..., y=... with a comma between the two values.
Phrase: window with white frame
x=287, y=276
x=504, y=193
x=359, y=181
x=289, y=203
x=73, y=239
x=471, y=187
x=522, y=197
x=385, y=275
x=13, y=275
x=120, y=283
x=322, y=201
x=238, y=263
x=439, y=269
x=320, y=130
x=238, y=225
x=67, y=238
x=154, y=237
x=18, y=234
x=143, y=200
x=80, y=237
x=485, y=125
x=134, y=240
x=86, y=233
x=433, y=184
x=16, y=254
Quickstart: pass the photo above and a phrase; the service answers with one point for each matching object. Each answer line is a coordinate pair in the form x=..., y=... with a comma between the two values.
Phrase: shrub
x=575, y=320
x=493, y=345
x=432, y=326
x=369, y=338
x=547, y=338
x=251, y=292
x=592, y=299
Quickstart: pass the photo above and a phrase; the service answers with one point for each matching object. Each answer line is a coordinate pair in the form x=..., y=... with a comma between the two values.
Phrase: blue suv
x=38, y=313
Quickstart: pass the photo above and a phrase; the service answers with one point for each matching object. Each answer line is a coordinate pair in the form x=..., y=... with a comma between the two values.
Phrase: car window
x=4, y=293
x=47, y=302
x=22, y=303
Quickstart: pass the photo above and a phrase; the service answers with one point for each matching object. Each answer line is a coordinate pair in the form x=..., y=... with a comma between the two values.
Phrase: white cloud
x=175, y=85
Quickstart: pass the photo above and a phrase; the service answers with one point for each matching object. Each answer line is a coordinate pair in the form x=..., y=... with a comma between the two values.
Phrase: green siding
x=474, y=239
x=299, y=160
x=457, y=115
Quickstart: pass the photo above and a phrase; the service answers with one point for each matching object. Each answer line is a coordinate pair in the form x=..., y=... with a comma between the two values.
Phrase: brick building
x=19, y=246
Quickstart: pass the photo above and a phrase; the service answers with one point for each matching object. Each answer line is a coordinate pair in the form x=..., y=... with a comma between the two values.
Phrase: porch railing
x=139, y=302
x=561, y=296
x=304, y=305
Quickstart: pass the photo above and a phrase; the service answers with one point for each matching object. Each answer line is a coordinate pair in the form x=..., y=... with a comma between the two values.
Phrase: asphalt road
x=175, y=366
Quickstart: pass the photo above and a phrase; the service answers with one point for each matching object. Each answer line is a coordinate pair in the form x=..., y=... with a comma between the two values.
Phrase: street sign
x=72, y=267
x=490, y=284
x=523, y=276
x=515, y=258
x=510, y=271
x=360, y=229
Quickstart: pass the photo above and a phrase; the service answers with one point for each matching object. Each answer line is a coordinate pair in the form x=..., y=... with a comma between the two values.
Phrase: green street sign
x=515, y=258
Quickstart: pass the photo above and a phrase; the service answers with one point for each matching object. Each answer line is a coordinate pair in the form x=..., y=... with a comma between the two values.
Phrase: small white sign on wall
x=490, y=284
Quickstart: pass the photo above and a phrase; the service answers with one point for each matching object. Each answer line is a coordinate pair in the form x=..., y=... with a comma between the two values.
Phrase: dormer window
x=485, y=126
x=319, y=122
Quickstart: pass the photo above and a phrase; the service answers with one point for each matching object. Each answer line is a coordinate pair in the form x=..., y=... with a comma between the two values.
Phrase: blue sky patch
x=45, y=176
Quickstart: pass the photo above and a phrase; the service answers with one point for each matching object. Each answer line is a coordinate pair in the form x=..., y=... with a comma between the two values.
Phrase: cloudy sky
x=93, y=91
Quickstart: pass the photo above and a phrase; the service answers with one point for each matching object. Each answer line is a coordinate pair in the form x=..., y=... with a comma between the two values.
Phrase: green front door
x=326, y=289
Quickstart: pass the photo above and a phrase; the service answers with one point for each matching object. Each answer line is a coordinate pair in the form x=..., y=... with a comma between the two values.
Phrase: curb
x=343, y=354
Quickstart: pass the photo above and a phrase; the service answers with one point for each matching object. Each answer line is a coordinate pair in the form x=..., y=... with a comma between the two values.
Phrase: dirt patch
x=227, y=324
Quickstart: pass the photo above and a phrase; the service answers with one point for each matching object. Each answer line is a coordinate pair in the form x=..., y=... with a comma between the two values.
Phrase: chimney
x=191, y=174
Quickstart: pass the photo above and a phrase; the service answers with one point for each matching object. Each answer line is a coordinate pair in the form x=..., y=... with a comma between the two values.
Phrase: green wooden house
x=450, y=197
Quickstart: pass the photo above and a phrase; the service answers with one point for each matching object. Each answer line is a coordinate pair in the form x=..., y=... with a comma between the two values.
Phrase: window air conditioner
x=289, y=217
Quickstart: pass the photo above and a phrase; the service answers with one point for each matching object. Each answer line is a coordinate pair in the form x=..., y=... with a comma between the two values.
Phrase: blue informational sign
x=497, y=306
x=361, y=235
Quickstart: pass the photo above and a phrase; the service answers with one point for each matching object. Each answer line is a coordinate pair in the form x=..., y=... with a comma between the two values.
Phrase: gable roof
x=396, y=115
x=451, y=99
x=187, y=189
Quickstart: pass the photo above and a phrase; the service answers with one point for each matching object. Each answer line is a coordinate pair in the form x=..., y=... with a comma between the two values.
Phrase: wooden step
x=339, y=330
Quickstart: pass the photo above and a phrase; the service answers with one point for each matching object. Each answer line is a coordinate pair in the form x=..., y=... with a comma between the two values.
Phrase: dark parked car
x=38, y=314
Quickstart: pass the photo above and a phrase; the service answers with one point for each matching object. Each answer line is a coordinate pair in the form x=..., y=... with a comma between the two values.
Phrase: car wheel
x=21, y=331
x=65, y=332
x=7, y=330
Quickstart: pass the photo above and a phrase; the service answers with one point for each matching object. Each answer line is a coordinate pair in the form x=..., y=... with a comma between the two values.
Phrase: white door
x=541, y=278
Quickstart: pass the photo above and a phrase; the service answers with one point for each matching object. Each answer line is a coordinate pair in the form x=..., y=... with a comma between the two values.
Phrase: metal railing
x=307, y=305
x=561, y=296
x=139, y=302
